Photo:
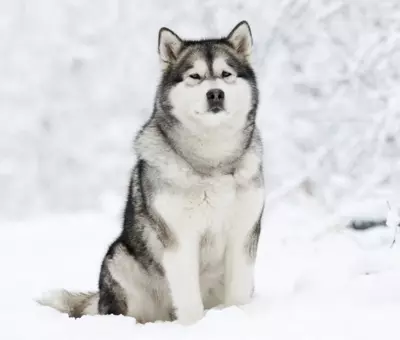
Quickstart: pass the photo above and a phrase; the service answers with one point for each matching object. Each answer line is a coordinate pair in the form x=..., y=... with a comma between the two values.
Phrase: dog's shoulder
x=156, y=150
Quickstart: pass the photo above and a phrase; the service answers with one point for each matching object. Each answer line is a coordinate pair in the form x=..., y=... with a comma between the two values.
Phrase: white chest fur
x=200, y=207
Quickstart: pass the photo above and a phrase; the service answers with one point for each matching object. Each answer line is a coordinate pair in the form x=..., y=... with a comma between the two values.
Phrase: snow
x=77, y=78
x=339, y=284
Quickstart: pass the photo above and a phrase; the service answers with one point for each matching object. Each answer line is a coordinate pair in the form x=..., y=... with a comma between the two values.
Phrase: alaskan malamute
x=196, y=195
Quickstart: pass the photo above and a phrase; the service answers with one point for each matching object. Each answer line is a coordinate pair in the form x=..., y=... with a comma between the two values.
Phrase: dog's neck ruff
x=206, y=151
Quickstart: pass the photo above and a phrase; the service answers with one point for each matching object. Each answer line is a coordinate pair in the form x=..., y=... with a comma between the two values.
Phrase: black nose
x=215, y=97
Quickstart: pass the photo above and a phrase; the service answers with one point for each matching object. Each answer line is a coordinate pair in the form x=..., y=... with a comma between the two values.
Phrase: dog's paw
x=237, y=300
x=190, y=317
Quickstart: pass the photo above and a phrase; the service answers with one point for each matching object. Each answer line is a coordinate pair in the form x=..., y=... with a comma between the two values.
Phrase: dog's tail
x=74, y=304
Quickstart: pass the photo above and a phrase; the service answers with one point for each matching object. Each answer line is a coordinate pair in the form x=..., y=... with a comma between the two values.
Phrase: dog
x=196, y=194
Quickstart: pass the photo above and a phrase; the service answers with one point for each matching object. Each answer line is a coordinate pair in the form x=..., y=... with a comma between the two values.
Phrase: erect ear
x=169, y=46
x=241, y=39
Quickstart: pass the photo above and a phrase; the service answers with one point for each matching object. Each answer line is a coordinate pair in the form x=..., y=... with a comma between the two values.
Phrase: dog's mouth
x=216, y=109
x=213, y=111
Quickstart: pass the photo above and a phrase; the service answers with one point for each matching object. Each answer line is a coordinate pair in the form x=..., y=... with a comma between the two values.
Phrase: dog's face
x=208, y=83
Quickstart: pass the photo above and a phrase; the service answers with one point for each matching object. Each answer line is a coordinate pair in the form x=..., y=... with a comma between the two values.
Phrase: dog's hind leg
x=112, y=298
x=125, y=288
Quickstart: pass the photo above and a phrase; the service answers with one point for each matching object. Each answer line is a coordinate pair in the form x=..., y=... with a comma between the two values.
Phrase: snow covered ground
x=335, y=284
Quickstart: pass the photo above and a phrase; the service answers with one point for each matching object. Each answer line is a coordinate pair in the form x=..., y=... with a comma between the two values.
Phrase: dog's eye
x=225, y=74
x=195, y=76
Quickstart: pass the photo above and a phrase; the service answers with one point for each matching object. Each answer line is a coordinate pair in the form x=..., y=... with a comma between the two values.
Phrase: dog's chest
x=204, y=205
x=204, y=211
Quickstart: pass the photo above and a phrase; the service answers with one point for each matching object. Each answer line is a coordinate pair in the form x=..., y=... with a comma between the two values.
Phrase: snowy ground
x=314, y=281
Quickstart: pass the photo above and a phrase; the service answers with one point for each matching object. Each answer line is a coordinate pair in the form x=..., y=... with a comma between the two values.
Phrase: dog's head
x=208, y=83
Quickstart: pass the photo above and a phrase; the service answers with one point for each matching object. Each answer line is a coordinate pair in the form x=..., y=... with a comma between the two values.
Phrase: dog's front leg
x=242, y=246
x=239, y=273
x=181, y=264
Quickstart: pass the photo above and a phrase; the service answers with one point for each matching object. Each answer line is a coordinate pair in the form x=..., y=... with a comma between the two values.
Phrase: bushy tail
x=74, y=304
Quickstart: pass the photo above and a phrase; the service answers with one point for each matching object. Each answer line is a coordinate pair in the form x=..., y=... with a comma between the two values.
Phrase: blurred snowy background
x=77, y=78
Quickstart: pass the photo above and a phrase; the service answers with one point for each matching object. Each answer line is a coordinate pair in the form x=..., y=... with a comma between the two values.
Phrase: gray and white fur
x=196, y=195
